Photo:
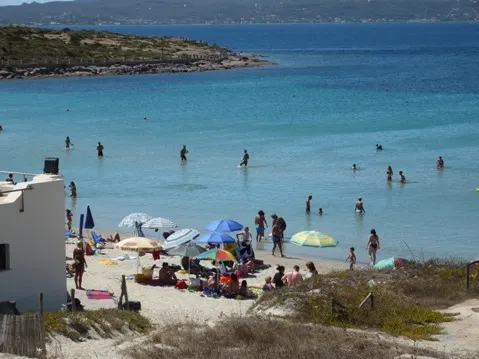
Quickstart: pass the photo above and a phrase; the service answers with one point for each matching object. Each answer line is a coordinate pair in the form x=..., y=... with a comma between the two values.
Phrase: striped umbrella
x=218, y=255
x=313, y=239
x=180, y=237
x=159, y=223
x=132, y=218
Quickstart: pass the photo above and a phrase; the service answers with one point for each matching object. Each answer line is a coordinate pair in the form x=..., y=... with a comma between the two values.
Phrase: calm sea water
x=304, y=121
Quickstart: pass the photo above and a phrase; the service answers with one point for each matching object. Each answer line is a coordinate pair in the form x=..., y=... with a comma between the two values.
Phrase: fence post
x=72, y=295
x=42, y=327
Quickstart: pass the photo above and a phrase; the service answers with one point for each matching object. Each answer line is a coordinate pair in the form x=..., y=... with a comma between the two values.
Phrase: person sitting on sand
x=267, y=284
x=402, y=179
x=233, y=286
x=312, y=270
x=166, y=275
x=440, y=162
x=244, y=291
x=293, y=278
x=250, y=265
x=212, y=282
x=278, y=277
x=373, y=246
x=359, y=206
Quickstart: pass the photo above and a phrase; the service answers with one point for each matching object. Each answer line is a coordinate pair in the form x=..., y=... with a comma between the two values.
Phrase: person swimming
x=1, y=128
x=355, y=168
x=359, y=206
x=245, y=159
x=402, y=179
x=68, y=142
x=389, y=173
x=183, y=153
x=379, y=147
x=440, y=162
x=320, y=211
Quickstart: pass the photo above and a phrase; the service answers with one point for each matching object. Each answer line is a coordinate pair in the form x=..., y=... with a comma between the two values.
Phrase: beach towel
x=98, y=294
x=107, y=262
x=156, y=274
x=124, y=257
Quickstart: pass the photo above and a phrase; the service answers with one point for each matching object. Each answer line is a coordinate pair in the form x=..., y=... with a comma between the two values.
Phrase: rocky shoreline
x=232, y=62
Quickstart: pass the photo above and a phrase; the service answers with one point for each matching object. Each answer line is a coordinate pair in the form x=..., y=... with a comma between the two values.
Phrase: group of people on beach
x=278, y=226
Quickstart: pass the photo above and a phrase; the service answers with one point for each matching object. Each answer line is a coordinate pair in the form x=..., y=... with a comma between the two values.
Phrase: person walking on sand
x=402, y=179
x=69, y=215
x=260, y=223
x=183, y=153
x=245, y=159
x=277, y=230
x=80, y=264
x=351, y=258
x=389, y=174
x=308, y=204
x=100, y=149
x=359, y=206
x=373, y=246
x=68, y=143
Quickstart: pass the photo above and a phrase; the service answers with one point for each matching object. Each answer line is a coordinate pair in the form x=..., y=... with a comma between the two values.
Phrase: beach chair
x=97, y=242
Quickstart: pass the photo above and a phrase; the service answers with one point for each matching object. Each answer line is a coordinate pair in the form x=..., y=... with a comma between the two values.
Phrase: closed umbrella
x=89, y=222
x=130, y=220
x=159, y=223
x=180, y=237
x=215, y=238
x=390, y=263
x=313, y=239
x=224, y=225
x=80, y=228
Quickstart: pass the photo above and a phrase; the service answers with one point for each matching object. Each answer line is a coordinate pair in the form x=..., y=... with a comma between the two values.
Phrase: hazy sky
x=18, y=2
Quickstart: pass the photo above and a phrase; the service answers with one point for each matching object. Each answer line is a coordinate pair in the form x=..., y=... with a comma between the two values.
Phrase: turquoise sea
x=336, y=90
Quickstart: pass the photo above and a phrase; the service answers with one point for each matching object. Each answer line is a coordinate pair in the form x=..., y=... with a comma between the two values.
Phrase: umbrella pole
x=137, y=261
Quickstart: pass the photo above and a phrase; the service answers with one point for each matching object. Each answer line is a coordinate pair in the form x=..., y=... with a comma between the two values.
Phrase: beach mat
x=98, y=294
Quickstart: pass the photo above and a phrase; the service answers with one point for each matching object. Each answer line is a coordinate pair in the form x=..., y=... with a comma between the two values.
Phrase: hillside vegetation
x=35, y=44
x=229, y=11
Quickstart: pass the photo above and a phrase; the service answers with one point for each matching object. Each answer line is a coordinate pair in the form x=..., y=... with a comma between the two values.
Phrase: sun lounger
x=97, y=241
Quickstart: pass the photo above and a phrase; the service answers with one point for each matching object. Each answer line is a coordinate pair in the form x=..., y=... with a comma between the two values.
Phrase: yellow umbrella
x=138, y=244
x=313, y=239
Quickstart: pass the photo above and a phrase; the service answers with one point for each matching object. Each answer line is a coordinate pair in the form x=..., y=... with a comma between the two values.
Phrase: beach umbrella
x=138, y=244
x=215, y=238
x=313, y=239
x=224, y=225
x=187, y=250
x=180, y=237
x=80, y=228
x=129, y=221
x=390, y=263
x=89, y=222
x=159, y=223
x=218, y=255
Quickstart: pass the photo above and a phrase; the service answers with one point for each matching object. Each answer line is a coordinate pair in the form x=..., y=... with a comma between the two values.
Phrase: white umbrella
x=131, y=219
x=180, y=237
x=158, y=223
x=138, y=244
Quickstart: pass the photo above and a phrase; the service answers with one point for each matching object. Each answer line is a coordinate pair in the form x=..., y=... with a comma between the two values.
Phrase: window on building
x=4, y=256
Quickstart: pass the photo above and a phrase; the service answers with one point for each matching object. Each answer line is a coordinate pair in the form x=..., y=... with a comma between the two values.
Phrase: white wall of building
x=37, y=244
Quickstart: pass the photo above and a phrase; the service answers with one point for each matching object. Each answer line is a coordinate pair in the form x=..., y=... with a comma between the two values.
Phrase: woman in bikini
x=389, y=173
x=80, y=264
x=373, y=246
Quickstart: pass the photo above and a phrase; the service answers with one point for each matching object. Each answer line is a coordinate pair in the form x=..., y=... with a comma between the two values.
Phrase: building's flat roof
x=17, y=188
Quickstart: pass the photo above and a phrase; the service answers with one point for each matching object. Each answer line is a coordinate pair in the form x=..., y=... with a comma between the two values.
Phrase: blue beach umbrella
x=224, y=225
x=89, y=222
x=215, y=238
x=80, y=229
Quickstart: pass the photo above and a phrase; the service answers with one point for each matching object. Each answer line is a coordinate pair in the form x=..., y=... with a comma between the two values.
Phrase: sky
x=19, y=2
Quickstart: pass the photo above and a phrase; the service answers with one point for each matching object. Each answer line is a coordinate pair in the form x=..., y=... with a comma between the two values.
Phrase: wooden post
x=72, y=295
x=124, y=293
x=41, y=303
x=468, y=269
x=42, y=326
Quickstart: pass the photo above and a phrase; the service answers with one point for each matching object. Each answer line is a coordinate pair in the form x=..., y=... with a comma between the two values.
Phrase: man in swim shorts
x=100, y=149
x=183, y=153
x=245, y=159
x=440, y=162
x=359, y=207
x=260, y=223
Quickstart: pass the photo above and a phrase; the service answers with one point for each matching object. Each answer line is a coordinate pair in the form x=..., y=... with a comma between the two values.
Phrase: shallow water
x=335, y=92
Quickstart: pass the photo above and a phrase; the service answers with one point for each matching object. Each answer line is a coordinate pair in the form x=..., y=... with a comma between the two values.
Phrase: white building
x=32, y=242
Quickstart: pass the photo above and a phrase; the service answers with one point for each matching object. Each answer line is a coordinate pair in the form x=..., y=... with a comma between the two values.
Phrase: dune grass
x=406, y=301
x=104, y=322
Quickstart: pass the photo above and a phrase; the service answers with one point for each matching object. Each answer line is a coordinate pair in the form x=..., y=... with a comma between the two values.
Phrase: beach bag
x=133, y=305
x=181, y=284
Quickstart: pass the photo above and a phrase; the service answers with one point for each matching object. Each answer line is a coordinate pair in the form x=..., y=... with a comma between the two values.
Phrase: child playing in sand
x=351, y=258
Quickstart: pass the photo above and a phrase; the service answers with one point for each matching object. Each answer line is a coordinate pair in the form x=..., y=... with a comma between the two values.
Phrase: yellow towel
x=107, y=262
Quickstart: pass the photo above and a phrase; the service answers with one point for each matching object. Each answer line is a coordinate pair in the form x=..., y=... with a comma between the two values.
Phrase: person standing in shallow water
x=183, y=153
x=389, y=173
x=260, y=223
x=245, y=159
x=359, y=206
x=402, y=179
x=440, y=163
x=100, y=149
x=373, y=246
x=308, y=204
x=68, y=143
